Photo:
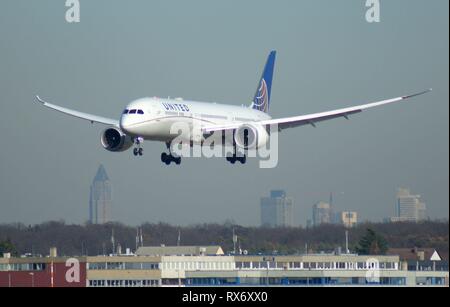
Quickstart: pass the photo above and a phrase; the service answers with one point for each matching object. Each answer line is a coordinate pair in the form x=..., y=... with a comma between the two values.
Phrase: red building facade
x=43, y=272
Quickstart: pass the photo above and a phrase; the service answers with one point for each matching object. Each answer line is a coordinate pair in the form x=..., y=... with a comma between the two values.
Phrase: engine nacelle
x=115, y=140
x=251, y=136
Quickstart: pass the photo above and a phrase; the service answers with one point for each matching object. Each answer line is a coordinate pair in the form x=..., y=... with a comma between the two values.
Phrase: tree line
x=90, y=239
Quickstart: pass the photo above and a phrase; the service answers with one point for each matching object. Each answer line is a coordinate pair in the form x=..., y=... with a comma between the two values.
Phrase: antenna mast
x=235, y=238
x=347, y=251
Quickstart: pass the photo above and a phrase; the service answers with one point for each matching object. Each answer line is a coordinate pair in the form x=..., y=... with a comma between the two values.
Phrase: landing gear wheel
x=168, y=158
x=243, y=159
x=138, y=150
x=234, y=159
x=231, y=159
x=164, y=157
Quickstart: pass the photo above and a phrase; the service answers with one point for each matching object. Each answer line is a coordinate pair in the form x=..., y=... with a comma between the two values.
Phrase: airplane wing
x=85, y=116
x=312, y=119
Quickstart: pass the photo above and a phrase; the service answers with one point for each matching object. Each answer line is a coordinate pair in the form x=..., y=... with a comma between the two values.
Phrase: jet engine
x=115, y=140
x=251, y=136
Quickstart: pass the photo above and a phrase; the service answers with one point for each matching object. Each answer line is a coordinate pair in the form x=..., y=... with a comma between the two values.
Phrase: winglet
x=418, y=94
x=39, y=99
x=85, y=116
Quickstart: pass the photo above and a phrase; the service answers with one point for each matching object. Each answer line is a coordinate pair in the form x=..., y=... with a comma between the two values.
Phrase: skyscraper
x=409, y=207
x=322, y=213
x=277, y=210
x=100, y=198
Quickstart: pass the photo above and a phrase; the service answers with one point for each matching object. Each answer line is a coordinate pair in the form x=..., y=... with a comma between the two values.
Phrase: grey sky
x=329, y=57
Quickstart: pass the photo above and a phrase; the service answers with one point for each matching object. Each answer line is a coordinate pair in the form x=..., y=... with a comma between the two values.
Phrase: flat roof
x=179, y=250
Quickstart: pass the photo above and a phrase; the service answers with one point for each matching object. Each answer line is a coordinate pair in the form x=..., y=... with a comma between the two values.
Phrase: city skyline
x=100, y=208
x=277, y=209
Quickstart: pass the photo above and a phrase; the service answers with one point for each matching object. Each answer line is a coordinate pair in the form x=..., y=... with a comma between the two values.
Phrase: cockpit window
x=134, y=111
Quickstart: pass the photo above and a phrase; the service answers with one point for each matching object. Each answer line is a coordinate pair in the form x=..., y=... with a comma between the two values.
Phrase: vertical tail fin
x=261, y=101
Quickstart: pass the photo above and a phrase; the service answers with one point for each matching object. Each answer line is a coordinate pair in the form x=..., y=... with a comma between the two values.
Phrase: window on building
x=115, y=266
x=246, y=265
x=97, y=266
x=295, y=265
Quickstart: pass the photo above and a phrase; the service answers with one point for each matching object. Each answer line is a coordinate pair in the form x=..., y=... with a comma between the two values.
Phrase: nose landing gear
x=138, y=150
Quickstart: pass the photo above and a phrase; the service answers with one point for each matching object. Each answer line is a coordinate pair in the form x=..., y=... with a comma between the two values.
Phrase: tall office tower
x=410, y=208
x=277, y=210
x=100, y=198
x=322, y=214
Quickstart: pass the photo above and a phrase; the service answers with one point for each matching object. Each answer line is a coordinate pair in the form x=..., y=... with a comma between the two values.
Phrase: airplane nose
x=125, y=124
x=130, y=126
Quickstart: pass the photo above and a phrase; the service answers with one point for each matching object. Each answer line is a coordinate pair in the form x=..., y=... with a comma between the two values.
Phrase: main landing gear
x=138, y=150
x=232, y=159
x=241, y=158
x=168, y=158
x=235, y=158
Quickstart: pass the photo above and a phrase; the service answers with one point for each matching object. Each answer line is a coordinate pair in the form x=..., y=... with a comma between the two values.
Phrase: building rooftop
x=419, y=254
x=179, y=250
x=101, y=174
x=277, y=194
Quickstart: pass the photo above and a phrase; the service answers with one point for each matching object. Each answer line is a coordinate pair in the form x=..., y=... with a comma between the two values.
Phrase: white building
x=410, y=208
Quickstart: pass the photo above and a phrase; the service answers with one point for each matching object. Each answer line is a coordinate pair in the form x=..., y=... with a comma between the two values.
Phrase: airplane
x=151, y=119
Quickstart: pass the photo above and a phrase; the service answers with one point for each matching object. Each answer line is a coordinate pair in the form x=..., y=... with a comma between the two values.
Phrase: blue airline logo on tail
x=261, y=101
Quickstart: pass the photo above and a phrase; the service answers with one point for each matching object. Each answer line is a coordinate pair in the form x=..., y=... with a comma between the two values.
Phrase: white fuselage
x=153, y=118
